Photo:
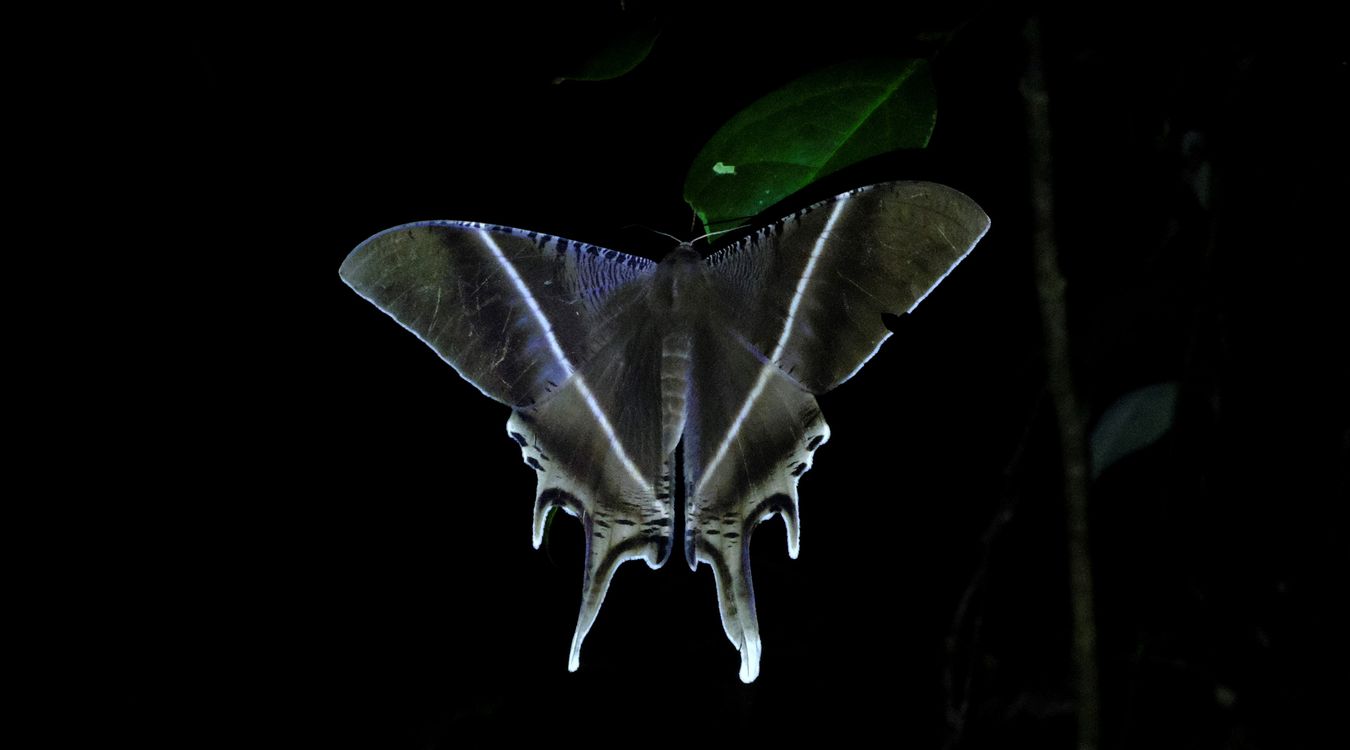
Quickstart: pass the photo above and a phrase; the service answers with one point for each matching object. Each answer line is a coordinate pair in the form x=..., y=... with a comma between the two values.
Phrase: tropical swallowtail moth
x=611, y=362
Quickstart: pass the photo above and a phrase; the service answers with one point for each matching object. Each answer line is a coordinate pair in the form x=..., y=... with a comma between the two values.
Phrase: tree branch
x=1072, y=429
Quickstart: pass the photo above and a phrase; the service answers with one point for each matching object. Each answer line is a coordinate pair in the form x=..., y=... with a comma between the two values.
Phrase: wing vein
x=783, y=337
x=530, y=301
x=568, y=370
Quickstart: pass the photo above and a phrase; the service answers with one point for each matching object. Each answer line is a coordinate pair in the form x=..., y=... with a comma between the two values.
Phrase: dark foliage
x=328, y=539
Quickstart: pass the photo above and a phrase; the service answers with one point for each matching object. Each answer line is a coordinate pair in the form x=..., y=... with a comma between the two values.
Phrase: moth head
x=682, y=256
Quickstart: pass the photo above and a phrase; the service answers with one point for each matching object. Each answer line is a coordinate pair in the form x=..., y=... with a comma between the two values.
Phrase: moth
x=611, y=362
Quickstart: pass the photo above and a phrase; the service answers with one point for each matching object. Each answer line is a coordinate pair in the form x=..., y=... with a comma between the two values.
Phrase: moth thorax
x=680, y=283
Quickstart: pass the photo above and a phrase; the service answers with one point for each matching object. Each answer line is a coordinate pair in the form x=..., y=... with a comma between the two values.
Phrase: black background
x=335, y=544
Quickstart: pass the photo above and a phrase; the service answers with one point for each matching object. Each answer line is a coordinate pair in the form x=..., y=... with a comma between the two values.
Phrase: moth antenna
x=699, y=238
x=654, y=231
x=716, y=232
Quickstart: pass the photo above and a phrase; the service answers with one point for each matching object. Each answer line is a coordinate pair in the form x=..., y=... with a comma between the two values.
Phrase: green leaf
x=1135, y=421
x=624, y=50
x=816, y=125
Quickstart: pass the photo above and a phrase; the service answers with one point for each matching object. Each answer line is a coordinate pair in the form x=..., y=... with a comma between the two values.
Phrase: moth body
x=610, y=363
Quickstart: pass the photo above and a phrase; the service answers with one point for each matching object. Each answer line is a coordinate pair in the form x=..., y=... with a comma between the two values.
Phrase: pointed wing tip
x=537, y=528
x=976, y=218
x=794, y=533
x=750, y=652
x=348, y=268
x=574, y=654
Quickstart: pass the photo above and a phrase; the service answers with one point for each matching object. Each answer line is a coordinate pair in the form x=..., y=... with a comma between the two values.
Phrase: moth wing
x=596, y=444
x=750, y=435
x=555, y=329
x=514, y=312
x=812, y=287
x=804, y=299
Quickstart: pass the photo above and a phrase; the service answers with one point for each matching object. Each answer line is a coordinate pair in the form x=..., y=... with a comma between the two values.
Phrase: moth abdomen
x=674, y=388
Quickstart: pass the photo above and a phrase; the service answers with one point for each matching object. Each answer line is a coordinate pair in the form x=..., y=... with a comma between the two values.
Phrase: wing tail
x=729, y=558
x=767, y=431
x=608, y=545
x=621, y=518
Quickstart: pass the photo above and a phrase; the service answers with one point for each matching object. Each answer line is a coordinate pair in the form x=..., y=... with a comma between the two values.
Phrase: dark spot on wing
x=815, y=442
x=625, y=522
x=519, y=438
x=731, y=535
x=534, y=463
x=801, y=469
